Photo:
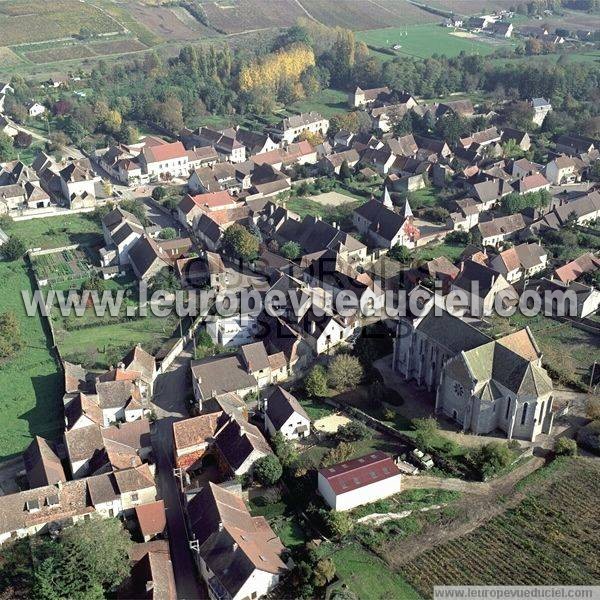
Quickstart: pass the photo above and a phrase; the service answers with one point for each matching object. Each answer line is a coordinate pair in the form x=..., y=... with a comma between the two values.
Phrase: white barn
x=359, y=481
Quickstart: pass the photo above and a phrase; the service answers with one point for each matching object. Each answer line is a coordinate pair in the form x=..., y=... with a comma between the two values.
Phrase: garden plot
x=61, y=266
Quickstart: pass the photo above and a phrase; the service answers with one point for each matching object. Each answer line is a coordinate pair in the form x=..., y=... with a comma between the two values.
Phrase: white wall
x=364, y=495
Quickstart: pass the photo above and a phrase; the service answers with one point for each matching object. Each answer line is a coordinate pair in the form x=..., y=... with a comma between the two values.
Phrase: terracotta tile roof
x=135, y=479
x=152, y=518
x=163, y=152
x=195, y=431
x=522, y=343
x=42, y=464
x=586, y=263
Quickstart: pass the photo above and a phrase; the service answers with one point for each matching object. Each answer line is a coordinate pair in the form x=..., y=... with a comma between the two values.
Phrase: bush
x=268, y=470
x=589, y=436
x=343, y=451
x=459, y=238
x=158, y=193
x=592, y=408
x=565, y=447
x=168, y=233
x=353, y=432
x=291, y=250
x=490, y=459
x=338, y=524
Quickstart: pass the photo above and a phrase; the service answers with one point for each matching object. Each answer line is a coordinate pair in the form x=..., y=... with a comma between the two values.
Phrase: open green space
x=57, y=231
x=31, y=385
x=283, y=521
x=450, y=251
x=424, y=41
x=327, y=102
x=369, y=577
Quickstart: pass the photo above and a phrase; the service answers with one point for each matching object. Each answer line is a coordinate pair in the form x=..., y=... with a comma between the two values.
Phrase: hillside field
x=425, y=40
x=550, y=538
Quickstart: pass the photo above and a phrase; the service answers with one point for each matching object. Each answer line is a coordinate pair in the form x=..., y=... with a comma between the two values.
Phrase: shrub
x=268, y=470
x=353, y=432
x=343, y=451
x=490, y=459
x=291, y=250
x=589, y=436
x=158, y=193
x=565, y=447
x=168, y=233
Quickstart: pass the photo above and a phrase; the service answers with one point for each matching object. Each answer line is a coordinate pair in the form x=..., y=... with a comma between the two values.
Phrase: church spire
x=407, y=209
x=387, y=199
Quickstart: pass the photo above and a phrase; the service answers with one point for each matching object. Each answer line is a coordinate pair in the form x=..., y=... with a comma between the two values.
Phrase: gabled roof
x=42, y=464
x=163, y=152
x=281, y=405
x=360, y=472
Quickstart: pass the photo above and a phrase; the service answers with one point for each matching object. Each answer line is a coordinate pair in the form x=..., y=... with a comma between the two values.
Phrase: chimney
x=213, y=393
x=242, y=431
x=220, y=526
x=235, y=546
x=121, y=366
x=313, y=327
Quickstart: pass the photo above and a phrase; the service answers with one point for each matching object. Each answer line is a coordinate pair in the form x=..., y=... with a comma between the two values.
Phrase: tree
x=592, y=408
x=165, y=280
x=345, y=172
x=94, y=283
x=565, y=447
x=315, y=383
x=490, y=458
x=284, y=450
x=7, y=151
x=353, y=432
x=343, y=451
x=168, y=233
x=400, y=253
x=345, y=372
x=58, y=140
x=136, y=208
x=14, y=248
x=158, y=193
x=338, y=523
x=240, y=242
x=268, y=470
x=323, y=572
x=11, y=339
x=89, y=559
x=291, y=250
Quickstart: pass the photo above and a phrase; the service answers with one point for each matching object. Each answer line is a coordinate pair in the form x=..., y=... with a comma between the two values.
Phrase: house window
x=524, y=414
x=134, y=497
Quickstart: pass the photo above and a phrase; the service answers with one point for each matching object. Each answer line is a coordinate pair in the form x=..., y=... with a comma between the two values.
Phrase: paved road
x=160, y=217
x=170, y=392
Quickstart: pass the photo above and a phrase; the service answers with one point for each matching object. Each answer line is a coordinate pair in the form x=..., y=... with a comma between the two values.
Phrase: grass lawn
x=308, y=206
x=426, y=197
x=316, y=409
x=369, y=577
x=31, y=385
x=424, y=41
x=450, y=251
x=568, y=352
x=99, y=347
x=54, y=232
x=327, y=102
x=282, y=520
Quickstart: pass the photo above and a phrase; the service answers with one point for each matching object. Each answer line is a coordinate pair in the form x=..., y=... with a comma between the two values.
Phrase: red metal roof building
x=359, y=481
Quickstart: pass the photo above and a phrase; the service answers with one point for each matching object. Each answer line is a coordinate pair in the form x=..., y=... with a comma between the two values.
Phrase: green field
x=328, y=102
x=31, y=385
x=424, y=41
x=54, y=232
x=369, y=577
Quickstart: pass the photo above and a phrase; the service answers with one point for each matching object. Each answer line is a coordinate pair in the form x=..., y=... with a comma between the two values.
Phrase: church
x=482, y=384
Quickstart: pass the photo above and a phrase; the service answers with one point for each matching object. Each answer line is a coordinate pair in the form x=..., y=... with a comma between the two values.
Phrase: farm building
x=359, y=481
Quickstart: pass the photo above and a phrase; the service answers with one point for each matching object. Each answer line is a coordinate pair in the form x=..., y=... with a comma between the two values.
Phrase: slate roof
x=451, y=332
x=281, y=405
x=384, y=221
x=84, y=442
x=144, y=254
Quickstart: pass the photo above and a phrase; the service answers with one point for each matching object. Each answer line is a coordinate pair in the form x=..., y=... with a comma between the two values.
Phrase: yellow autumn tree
x=286, y=65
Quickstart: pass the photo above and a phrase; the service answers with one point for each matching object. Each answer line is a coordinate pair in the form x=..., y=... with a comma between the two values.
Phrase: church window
x=459, y=390
x=507, y=409
x=524, y=414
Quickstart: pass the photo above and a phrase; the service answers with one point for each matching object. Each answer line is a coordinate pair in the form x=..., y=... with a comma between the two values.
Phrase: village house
x=52, y=507
x=521, y=138
x=121, y=229
x=331, y=165
x=575, y=299
x=482, y=285
x=225, y=441
x=541, y=107
x=498, y=230
x=564, y=170
x=34, y=109
x=573, y=270
x=360, y=97
x=574, y=145
x=285, y=415
x=518, y=262
x=385, y=227
x=530, y=184
x=162, y=160
x=253, y=564
x=290, y=128
x=363, y=480
x=20, y=188
x=151, y=574
x=284, y=159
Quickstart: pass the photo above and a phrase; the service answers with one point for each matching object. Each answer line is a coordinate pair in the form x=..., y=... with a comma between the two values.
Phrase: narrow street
x=170, y=393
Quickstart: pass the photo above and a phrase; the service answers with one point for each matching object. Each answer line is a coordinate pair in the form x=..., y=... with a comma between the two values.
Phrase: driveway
x=173, y=387
x=160, y=217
